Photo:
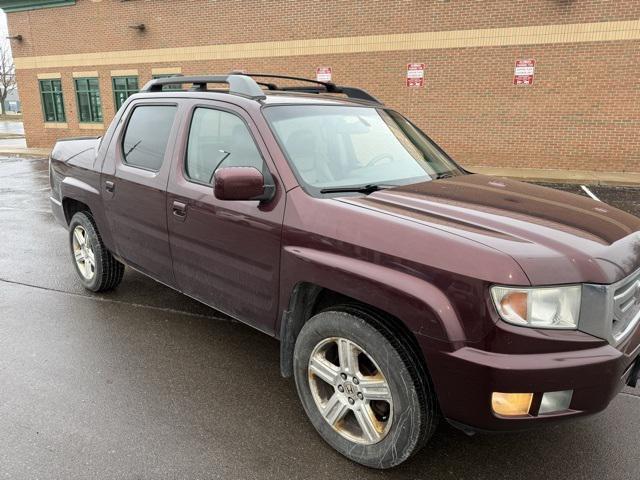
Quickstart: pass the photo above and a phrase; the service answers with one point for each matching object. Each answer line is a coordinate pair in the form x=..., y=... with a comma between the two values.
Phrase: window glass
x=344, y=146
x=89, y=103
x=123, y=87
x=52, y=102
x=145, y=140
x=218, y=138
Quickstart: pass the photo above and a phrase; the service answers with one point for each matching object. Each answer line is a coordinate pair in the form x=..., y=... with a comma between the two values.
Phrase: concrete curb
x=562, y=176
x=25, y=152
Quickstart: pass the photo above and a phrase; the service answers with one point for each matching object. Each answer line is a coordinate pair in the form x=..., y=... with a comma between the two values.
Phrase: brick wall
x=582, y=113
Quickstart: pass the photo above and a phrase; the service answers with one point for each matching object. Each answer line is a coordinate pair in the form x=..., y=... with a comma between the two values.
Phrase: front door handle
x=179, y=209
x=109, y=186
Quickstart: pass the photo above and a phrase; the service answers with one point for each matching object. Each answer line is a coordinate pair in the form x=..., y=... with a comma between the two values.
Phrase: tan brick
x=581, y=113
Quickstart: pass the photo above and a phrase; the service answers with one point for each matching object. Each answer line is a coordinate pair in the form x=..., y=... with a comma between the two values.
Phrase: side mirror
x=241, y=183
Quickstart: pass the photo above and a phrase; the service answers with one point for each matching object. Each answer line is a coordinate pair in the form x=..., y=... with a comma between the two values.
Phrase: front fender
x=423, y=307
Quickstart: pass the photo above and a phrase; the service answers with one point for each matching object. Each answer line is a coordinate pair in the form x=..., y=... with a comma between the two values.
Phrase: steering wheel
x=379, y=159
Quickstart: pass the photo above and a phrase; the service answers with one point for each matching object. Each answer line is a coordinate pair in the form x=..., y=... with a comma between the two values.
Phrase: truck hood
x=556, y=237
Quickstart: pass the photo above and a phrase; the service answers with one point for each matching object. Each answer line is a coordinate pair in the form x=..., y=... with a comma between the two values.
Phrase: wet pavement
x=622, y=197
x=144, y=383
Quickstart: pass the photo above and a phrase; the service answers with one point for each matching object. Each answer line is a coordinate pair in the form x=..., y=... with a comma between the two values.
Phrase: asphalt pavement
x=145, y=383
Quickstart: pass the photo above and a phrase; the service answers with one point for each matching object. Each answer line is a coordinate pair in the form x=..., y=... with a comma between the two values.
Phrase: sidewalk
x=24, y=152
x=561, y=176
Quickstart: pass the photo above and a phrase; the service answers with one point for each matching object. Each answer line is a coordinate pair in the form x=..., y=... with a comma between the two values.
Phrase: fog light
x=555, y=401
x=511, y=404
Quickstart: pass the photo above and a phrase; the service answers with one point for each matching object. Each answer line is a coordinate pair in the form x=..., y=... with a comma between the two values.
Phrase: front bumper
x=468, y=377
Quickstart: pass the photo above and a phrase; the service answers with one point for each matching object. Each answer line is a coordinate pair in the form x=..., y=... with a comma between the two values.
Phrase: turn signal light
x=511, y=404
x=515, y=303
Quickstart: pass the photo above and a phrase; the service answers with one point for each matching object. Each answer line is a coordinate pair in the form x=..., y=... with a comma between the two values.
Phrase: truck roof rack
x=244, y=84
x=317, y=87
x=238, y=84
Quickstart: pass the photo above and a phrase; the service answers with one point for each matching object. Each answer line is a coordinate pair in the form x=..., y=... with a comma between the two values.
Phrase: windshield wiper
x=367, y=189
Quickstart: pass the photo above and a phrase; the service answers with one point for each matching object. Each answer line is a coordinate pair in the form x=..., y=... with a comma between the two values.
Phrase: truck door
x=134, y=181
x=225, y=253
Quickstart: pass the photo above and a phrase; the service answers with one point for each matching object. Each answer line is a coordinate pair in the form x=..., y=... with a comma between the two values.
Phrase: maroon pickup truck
x=403, y=289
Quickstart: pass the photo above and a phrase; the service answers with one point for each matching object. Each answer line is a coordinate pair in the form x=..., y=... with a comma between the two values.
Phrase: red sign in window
x=524, y=71
x=415, y=74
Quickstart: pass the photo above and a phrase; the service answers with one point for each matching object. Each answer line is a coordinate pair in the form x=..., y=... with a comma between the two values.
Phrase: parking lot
x=146, y=383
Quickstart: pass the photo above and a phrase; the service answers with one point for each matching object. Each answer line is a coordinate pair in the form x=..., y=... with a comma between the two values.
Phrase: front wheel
x=362, y=389
x=97, y=269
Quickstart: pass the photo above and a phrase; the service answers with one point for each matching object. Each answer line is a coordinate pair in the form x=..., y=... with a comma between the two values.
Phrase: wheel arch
x=408, y=301
x=76, y=196
x=308, y=299
x=71, y=206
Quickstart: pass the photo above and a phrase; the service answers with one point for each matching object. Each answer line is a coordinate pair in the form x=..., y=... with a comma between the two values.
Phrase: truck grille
x=626, y=306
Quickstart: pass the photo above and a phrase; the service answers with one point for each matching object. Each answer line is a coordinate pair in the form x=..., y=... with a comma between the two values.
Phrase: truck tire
x=97, y=269
x=363, y=390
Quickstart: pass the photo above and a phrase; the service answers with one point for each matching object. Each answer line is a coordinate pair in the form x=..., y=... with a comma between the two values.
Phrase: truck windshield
x=345, y=148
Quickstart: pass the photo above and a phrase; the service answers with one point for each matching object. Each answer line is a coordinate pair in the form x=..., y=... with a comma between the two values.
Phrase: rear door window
x=219, y=139
x=145, y=140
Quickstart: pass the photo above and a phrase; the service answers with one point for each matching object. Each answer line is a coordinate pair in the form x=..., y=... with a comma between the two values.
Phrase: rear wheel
x=97, y=269
x=363, y=389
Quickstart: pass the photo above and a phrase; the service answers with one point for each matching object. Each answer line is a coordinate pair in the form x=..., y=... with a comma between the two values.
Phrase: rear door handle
x=109, y=186
x=179, y=209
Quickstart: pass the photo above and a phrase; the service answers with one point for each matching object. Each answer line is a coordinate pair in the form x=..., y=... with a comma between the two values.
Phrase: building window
x=10, y=6
x=174, y=87
x=52, y=101
x=122, y=88
x=89, y=105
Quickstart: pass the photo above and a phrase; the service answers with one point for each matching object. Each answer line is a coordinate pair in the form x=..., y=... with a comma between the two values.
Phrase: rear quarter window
x=145, y=140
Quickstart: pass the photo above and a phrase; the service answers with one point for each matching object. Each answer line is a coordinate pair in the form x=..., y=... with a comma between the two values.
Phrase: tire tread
x=430, y=413
x=112, y=270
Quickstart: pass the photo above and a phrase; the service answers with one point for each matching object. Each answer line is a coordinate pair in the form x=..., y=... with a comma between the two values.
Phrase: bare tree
x=7, y=74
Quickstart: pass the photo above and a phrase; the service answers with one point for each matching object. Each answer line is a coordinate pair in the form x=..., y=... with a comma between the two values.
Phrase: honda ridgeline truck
x=403, y=289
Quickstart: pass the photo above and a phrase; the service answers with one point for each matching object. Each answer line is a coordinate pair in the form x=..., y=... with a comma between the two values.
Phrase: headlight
x=545, y=307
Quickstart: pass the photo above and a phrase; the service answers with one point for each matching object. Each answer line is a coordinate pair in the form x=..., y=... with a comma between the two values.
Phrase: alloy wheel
x=83, y=253
x=350, y=391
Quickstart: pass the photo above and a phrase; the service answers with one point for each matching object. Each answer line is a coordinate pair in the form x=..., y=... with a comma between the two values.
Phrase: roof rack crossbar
x=244, y=84
x=323, y=87
x=238, y=84
x=350, y=92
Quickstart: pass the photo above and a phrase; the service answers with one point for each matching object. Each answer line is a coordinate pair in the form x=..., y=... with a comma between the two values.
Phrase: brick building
x=76, y=61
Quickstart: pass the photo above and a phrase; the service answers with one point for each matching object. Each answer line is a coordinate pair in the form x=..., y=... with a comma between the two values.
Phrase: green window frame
x=52, y=101
x=123, y=87
x=175, y=87
x=22, y=5
x=88, y=98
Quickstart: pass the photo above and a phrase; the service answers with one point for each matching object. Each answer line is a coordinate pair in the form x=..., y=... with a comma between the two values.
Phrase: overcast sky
x=4, y=29
x=3, y=23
